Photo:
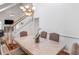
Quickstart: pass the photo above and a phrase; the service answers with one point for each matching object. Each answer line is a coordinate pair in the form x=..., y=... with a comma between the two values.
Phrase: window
x=0, y=25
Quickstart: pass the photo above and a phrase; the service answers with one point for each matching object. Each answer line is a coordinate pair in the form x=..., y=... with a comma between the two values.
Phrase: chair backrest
x=23, y=33
x=43, y=34
x=54, y=36
x=75, y=49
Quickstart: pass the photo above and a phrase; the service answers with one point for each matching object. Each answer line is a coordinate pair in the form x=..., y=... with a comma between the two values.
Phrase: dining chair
x=43, y=34
x=75, y=49
x=23, y=33
x=54, y=37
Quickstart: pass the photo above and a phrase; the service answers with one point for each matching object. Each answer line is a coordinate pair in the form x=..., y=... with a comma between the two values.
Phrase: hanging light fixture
x=28, y=10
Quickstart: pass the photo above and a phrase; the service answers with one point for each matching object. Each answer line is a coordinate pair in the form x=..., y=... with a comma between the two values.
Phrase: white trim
x=7, y=7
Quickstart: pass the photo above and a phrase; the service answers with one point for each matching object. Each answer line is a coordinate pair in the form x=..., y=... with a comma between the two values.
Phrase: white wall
x=59, y=18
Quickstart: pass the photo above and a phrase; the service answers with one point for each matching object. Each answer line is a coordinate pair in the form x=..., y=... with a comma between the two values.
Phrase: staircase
x=24, y=21
x=28, y=24
x=25, y=24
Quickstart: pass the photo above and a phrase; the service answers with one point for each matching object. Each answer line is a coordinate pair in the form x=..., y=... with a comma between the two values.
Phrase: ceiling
x=11, y=10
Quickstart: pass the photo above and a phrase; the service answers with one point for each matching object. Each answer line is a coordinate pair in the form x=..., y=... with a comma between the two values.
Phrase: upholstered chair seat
x=43, y=34
x=75, y=49
x=23, y=33
x=54, y=37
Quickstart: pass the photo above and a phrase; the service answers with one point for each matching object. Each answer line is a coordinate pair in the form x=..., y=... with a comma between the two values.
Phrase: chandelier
x=28, y=10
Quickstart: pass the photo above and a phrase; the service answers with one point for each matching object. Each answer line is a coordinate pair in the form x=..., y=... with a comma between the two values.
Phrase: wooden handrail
x=25, y=24
x=19, y=19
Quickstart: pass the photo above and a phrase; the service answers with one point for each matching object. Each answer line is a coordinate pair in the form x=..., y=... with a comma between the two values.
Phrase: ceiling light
x=33, y=8
x=27, y=6
x=24, y=9
x=29, y=14
x=21, y=7
x=29, y=10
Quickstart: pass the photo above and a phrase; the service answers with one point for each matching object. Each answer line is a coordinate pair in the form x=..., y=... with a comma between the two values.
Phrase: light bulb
x=33, y=8
x=24, y=9
x=21, y=7
x=28, y=14
x=29, y=10
x=27, y=6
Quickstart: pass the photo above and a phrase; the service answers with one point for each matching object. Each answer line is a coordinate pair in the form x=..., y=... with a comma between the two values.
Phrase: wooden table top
x=44, y=47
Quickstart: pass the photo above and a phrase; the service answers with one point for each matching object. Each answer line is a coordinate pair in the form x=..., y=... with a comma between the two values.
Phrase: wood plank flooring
x=63, y=53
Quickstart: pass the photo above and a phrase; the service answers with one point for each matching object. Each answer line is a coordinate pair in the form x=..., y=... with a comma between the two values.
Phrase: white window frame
x=1, y=25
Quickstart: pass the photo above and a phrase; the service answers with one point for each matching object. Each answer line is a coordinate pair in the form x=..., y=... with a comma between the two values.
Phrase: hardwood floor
x=12, y=46
x=63, y=53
